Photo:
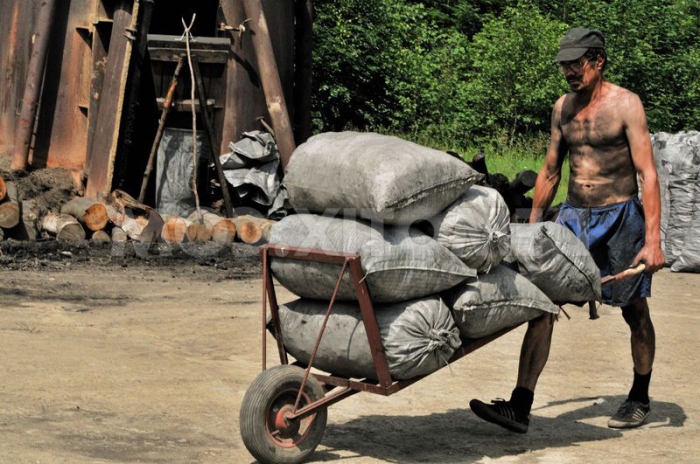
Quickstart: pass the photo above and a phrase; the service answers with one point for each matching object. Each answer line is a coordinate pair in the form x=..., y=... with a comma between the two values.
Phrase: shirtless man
x=603, y=129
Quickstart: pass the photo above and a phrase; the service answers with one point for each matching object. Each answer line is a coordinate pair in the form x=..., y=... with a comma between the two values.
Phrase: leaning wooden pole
x=32, y=88
x=270, y=78
x=303, y=69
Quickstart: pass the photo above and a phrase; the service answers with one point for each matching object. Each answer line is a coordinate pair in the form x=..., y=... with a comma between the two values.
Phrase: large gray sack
x=419, y=337
x=680, y=158
x=399, y=263
x=476, y=228
x=382, y=178
x=497, y=300
x=556, y=261
x=684, y=188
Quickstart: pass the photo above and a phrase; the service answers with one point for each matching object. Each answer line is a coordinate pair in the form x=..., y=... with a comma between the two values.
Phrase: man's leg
x=643, y=340
x=513, y=414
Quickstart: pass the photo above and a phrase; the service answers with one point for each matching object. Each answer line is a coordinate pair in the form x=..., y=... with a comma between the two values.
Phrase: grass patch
x=502, y=156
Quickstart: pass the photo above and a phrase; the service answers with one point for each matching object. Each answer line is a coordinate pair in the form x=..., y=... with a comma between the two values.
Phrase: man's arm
x=550, y=174
x=643, y=158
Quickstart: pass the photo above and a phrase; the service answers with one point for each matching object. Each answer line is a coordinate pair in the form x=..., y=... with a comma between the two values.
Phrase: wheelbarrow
x=284, y=411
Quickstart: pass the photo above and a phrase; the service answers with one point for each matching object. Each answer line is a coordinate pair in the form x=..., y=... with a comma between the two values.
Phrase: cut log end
x=175, y=230
x=3, y=189
x=198, y=233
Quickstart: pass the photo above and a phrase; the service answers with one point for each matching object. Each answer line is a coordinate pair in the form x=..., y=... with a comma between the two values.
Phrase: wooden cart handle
x=624, y=274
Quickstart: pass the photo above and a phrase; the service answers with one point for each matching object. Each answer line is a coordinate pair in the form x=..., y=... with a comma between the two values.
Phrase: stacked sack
x=677, y=159
x=430, y=244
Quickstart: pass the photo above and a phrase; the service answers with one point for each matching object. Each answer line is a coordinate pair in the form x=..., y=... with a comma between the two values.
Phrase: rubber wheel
x=269, y=437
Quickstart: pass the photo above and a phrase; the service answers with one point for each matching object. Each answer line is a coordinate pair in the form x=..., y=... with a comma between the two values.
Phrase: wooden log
x=3, y=189
x=198, y=233
x=129, y=225
x=90, y=213
x=28, y=228
x=251, y=229
x=118, y=235
x=64, y=227
x=151, y=223
x=100, y=236
x=222, y=230
x=175, y=229
x=9, y=209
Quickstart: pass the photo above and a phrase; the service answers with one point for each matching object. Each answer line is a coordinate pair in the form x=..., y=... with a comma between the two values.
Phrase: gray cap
x=577, y=41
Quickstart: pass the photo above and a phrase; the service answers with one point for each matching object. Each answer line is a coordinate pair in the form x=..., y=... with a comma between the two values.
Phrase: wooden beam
x=270, y=78
x=109, y=114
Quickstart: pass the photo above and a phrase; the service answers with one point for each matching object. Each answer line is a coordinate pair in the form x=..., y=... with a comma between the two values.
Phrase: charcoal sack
x=382, y=178
x=556, y=261
x=494, y=301
x=398, y=263
x=419, y=336
x=476, y=228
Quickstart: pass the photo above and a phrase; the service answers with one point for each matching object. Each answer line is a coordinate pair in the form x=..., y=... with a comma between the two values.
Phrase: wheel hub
x=283, y=426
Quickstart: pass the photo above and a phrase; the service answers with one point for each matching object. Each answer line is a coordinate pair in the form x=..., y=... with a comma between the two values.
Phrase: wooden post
x=103, y=151
x=303, y=69
x=213, y=142
x=270, y=78
x=161, y=127
x=32, y=88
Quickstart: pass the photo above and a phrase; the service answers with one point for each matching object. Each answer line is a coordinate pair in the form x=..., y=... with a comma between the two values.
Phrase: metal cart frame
x=282, y=417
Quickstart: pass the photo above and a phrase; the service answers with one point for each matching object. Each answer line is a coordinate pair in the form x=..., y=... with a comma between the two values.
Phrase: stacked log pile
x=120, y=218
x=513, y=190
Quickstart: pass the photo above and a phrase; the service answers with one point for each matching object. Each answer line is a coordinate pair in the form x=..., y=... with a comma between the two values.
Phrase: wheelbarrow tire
x=265, y=432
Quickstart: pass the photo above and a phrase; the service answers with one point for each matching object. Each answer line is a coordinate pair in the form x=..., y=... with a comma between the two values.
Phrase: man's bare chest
x=599, y=128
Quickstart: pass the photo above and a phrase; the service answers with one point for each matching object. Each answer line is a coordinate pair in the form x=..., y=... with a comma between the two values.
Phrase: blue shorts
x=613, y=234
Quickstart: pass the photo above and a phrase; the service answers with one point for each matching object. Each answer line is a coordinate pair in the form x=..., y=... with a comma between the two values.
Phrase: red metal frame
x=344, y=387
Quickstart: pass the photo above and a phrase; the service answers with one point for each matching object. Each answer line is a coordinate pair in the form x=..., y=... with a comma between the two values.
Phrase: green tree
x=513, y=83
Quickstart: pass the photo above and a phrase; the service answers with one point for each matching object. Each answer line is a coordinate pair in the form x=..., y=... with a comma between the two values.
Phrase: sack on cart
x=399, y=263
x=419, y=336
x=383, y=178
x=497, y=300
x=556, y=261
x=476, y=228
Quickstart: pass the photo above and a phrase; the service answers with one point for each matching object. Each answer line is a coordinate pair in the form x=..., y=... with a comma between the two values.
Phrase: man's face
x=580, y=74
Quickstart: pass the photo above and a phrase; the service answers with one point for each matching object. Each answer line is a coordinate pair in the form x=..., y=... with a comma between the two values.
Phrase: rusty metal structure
x=85, y=80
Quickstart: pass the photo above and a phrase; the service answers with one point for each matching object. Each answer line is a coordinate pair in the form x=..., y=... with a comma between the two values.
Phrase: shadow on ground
x=459, y=436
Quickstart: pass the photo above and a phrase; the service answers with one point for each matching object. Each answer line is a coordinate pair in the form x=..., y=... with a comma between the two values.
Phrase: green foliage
x=513, y=84
x=654, y=51
x=478, y=72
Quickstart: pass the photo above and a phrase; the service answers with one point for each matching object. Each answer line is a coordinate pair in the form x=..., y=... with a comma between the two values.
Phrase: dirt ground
x=106, y=357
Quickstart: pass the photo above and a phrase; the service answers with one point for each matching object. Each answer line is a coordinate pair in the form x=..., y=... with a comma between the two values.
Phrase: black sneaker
x=631, y=414
x=502, y=413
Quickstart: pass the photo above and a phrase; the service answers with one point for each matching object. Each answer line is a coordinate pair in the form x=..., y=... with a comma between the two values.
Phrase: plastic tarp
x=252, y=168
x=174, y=168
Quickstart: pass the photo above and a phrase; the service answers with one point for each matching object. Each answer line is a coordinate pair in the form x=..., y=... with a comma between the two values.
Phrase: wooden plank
x=104, y=148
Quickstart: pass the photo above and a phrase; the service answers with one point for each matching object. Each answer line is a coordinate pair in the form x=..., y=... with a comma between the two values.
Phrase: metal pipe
x=32, y=88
